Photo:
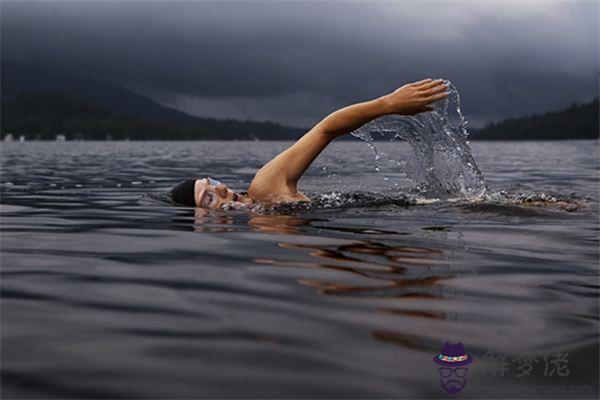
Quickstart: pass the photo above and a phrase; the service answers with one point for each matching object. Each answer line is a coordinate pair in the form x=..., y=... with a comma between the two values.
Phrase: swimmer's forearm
x=350, y=118
x=410, y=99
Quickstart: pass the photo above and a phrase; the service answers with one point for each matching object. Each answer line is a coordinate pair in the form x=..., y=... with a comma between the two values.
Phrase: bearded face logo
x=453, y=380
x=452, y=362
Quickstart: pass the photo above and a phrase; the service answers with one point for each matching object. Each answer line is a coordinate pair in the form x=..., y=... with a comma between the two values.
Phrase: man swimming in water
x=276, y=182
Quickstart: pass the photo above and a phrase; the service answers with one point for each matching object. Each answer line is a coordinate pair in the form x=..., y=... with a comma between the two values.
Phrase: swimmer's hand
x=414, y=98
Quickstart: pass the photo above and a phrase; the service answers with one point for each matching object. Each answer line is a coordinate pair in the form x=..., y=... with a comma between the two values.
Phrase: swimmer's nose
x=221, y=190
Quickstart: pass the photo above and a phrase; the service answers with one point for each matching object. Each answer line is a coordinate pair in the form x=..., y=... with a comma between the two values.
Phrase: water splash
x=441, y=165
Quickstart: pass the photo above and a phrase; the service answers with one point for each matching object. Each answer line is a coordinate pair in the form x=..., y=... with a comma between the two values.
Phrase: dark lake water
x=107, y=291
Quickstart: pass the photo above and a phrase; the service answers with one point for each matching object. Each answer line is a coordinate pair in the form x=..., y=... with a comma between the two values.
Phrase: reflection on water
x=109, y=292
x=216, y=222
x=284, y=224
x=377, y=262
x=370, y=269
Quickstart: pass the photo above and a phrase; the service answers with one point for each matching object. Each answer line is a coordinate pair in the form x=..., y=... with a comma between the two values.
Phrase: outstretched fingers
x=421, y=83
x=435, y=90
x=436, y=97
x=433, y=85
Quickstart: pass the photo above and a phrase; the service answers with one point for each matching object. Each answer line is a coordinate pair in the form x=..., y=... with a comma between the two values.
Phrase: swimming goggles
x=213, y=182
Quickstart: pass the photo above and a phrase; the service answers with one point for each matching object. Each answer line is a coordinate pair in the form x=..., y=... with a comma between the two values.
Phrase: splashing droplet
x=442, y=165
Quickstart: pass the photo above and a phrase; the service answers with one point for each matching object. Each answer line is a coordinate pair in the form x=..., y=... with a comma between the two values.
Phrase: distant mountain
x=19, y=79
x=41, y=104
x=43, y=116
x=580, y=121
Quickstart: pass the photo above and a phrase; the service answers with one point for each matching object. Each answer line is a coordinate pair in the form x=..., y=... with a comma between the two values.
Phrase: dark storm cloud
x=293, y=62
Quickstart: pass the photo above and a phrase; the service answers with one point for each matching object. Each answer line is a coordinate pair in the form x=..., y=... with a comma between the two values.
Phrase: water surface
x=107, y=291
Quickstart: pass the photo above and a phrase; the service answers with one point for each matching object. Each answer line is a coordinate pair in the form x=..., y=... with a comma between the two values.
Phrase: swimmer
x=276, y=182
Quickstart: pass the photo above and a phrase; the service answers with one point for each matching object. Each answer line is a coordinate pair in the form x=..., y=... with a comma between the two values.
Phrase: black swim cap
x=184, y=193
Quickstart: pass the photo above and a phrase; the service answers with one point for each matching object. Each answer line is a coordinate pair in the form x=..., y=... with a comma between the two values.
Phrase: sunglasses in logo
x=459, y=372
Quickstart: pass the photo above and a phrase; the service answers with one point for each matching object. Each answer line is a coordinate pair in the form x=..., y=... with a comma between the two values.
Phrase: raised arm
x=277, y=180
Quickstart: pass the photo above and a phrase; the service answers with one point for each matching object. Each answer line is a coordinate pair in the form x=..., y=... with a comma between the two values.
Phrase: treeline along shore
x=38, y=104
x=579, y=121
x=42, y=105
x=44, y=116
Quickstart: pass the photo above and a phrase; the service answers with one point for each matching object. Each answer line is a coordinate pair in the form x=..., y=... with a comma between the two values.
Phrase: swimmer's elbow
x=327, y=129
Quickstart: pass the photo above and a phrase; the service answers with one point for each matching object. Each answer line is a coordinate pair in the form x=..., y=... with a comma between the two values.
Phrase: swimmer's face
x=209, y=193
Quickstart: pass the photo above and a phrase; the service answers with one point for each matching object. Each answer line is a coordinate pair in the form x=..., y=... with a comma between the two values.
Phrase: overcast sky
x=293, y=62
